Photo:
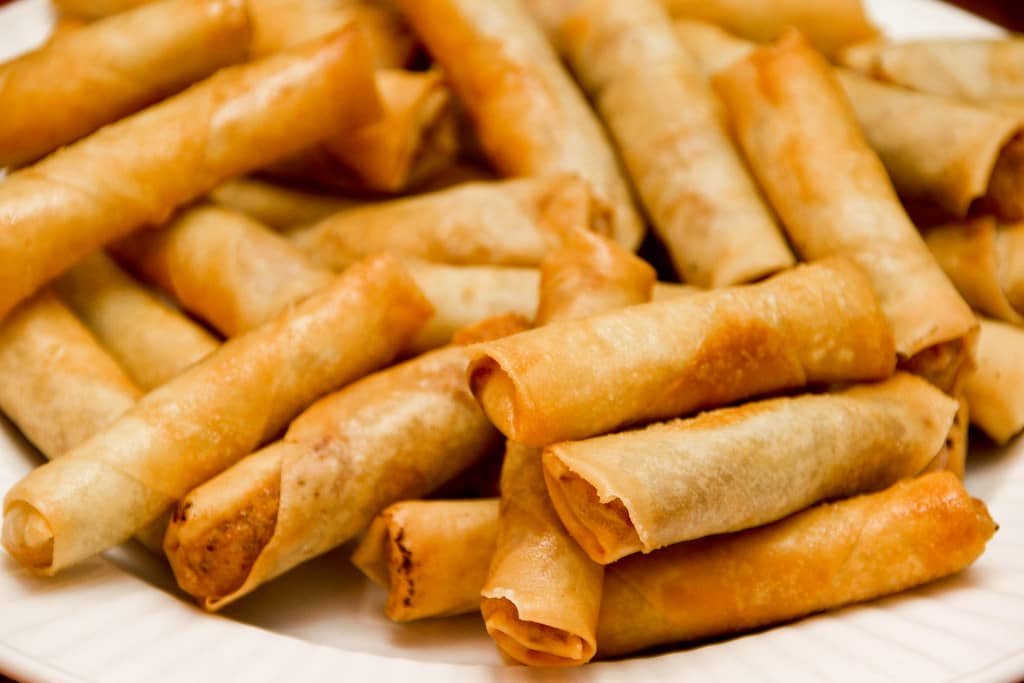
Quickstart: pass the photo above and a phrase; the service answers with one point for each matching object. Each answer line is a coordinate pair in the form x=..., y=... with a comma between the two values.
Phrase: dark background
x=1009, y=13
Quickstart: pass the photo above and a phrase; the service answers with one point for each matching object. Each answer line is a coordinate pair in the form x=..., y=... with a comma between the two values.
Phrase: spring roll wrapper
x=953, y=457
x=666, y=120
x=150, y=340
x=204, y=420
x=829, y=24
x=736, y=468
x=504, y=223
x=529, y=116
x=993, y=391
x=227, y=269
x=416, y=548
x=276, y=206
x=832, y=193
x=96, y=9
x=813, y=324
x=115, y=67
x=542, y=594
x=829, y=556
x=113, y=182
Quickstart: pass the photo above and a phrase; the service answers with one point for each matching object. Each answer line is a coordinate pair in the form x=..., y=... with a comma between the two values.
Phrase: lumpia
x=993, y=391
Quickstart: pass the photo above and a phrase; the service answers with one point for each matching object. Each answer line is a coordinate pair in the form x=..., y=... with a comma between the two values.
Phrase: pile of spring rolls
x=282, y=275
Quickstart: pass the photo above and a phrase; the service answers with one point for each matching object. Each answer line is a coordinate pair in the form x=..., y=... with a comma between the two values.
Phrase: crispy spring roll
x=737, y=468
x=829, y=556
x=954, y=455
x=934, y=148
x=276, y=206
x=223, y=266
x=666, y=120
x=830, y=190
x=152, y=341
x=198, y=424
x=829, y=24
x=96, y=9
x=815, y=323
x=985, y=263
x=112, y=68
x=504, y=223
x=993, y=391
x=431, y=555
x=115, y=181
x=396, y=434
x=529, y=116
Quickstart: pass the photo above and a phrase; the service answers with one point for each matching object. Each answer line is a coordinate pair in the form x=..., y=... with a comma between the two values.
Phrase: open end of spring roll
x=676, y=481
x=1005, y=195
x=432, y=556
x=276, y=206
x=529, y=116
x=993, y=391
x=666, y=119
x=832, y=555
x=814, y=323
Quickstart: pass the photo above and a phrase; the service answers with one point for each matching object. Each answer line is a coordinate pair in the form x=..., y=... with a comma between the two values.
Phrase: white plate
x=119, y=618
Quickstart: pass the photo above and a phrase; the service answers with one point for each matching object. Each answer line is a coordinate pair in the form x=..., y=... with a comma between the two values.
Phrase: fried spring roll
x=529, y=116
x=198, y=424
x=812, y=324
x=152, y=341
x=396, y=434
x=993, y=391
x=504, y=223
x=276, y=206
x=829, y=556
x=985, y=263
x=227, y=269
x=954, y=455
x=934, y=148
x=113, y=182
x=416, y=547
x=666, y=120
x=737, y=468
x=96, y=9
x=834, y=198
x=117, y=66
x=829, y=24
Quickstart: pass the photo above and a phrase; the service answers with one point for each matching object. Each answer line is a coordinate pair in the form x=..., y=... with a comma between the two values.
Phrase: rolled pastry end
x=28, y=536
x=496, y=392
x=532, y=643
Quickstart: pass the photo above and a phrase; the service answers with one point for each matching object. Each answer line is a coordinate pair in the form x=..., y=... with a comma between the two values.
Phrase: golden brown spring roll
x=504, y=223
x=224, y=267
x=115, y=180
x=993, y=391
x=985, y=263
x=954, y=454
x=814, y=323
x=431, y=555
x=152, y=341
x=112, y=68
x=832, y=193
x=279, y=207
x=666, y=120
x=198, y=424
x=737, y=468
x=829, y=556
x=829, y=24
x=396, y=434
x=528, y=115
x=935, y=149
x=96, y=9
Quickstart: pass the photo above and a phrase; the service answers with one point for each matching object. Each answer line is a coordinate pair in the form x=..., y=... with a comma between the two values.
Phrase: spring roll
x=935, y=149
x=813, y=324
x=953, y=457
x=528, y=115
x=993, y=391
x=152, y=341
x=419, y=544
x=96, y=9
x=503, y=223
x=224, y=267
x=239, y=119
x=834, y=198
x=829, y=24
x=198, y=424
x=737, y=468
x=985, y=263
x=396, y=434
x=117, y=66
x=666, y=120
x=277, y=206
